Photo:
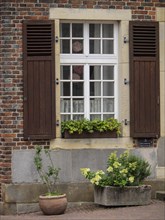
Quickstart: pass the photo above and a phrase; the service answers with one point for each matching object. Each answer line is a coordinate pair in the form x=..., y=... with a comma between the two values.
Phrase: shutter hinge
x=57, y=123
x=57, y=81
x=56, y=39
x=126, y=82
x=125, y=40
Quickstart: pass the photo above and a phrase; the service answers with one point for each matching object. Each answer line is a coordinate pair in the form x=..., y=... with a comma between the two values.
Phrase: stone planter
x=53, y=205
x=95, y=134
x=127, y=196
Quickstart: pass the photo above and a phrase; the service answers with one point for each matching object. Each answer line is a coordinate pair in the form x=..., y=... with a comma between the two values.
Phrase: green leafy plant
x=73, y=126
x=125, y=170
x=48, y=176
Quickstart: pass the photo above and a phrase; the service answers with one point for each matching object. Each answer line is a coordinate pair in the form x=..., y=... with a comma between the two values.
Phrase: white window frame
x=94, y=59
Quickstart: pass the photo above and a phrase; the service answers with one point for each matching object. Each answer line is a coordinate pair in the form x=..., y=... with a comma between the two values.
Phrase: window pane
x=65, y=117
x=95, y=105
x=97, y=116
x=77, y=46
x=94, y=30
x=65, y=30
x=108, y=89
x=65, y=88
x=65, y=46
x=65, y=105
x=95, y=72
x=108, y=116
x=108, y=72
x=78, y=89
x=95, y=89
x=65, y=72
x=78, y=117
x=94, y=46
x=108, y=30
x=78, y=72
x=108, y=105
x=108, y=47
x=77, y=30
x=78, y=105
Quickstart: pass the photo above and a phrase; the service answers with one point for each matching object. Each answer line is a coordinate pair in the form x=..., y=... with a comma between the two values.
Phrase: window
x=88, y=76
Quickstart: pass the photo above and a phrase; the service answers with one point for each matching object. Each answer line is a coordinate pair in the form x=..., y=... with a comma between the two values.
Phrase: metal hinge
x=56, y=39
x=57, y=81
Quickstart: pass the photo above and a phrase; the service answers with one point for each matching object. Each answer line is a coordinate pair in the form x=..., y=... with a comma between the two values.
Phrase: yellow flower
x=116, y=164
x=110, y=169
x=85, y=171
x=113, y=156
x=133, y=165
x=100, y=172
x=124, y=170
x=131, y=179
x=96, y=180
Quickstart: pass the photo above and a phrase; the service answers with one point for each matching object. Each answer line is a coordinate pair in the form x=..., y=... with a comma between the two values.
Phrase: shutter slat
x=144, y=35
x=40, y=36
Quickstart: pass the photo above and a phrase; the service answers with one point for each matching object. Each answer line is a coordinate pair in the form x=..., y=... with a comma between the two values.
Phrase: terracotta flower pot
x=53, y=205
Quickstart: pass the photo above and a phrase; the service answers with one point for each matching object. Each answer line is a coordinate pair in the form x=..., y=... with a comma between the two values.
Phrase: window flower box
x=95, y=134
x=96, y=128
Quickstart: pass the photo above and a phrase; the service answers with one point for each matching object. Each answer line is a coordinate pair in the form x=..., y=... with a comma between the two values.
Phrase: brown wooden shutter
x=39, y=75
x=144, y=79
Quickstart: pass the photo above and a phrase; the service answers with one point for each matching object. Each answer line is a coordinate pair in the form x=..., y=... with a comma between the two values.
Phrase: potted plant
x=96, y=128
x=121, y=183
x=52, y=202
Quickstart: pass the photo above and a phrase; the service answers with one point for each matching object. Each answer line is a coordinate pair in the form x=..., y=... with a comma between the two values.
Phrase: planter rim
x=52, y=197
x=115, y=187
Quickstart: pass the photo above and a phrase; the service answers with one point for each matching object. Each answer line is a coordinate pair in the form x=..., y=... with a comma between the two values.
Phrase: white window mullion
x=86, y=39
x=115, y=92
x=86, y=92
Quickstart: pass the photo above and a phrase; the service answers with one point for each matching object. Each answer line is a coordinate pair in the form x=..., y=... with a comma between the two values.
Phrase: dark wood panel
x=39, y=88
x=144, y=79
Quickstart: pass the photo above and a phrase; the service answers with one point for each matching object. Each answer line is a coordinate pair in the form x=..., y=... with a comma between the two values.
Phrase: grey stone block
x=27, y=208
x=22, y=193
x=70, y=162
x=161, y=152
x=1, y=208
x=9, y=209
x=160, y=195
x=150, y=155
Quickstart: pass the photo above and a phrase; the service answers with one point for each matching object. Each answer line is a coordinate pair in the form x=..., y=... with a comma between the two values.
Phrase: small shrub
x=125, y=170
x=49, y=176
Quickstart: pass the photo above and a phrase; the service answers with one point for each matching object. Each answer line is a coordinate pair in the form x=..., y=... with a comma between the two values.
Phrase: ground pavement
x=154, y=211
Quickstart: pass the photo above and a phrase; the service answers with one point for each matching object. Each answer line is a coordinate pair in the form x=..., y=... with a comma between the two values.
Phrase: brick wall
x=11, y=75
